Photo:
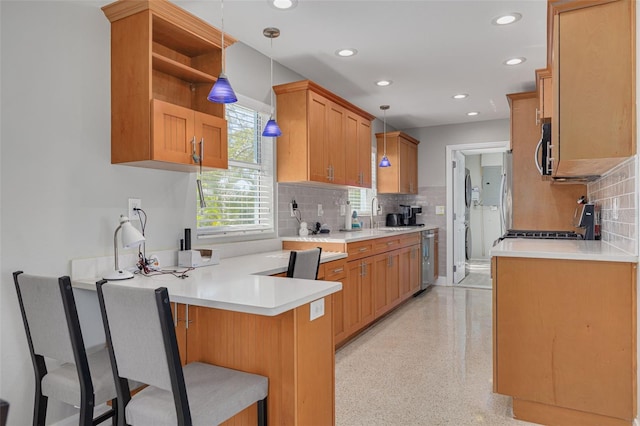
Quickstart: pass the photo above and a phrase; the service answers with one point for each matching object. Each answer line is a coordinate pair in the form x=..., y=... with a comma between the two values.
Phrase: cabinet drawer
x=335, y=270
x=410, y=239
x=386, y=244
x=360, y=249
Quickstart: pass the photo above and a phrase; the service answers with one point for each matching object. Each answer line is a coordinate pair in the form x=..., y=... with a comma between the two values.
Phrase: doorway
x=474, y=173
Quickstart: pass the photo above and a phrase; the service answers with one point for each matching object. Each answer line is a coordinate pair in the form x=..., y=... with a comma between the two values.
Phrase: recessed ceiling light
x=283, y=4
x=383, y=83
x=507, y=19
x=460, y=96
x=514, y=61
x=473, y=113
x=345, y=53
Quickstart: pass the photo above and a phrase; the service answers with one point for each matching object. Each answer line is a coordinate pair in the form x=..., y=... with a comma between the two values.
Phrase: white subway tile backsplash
x=618, y=187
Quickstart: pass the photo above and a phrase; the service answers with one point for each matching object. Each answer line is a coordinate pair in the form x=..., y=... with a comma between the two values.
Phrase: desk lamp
x=130, y=237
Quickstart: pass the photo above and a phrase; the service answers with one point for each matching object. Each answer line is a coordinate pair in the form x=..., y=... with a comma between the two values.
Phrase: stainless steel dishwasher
x=428, y=259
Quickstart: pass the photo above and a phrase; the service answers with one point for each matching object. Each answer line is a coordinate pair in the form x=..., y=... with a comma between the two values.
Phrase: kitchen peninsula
x=235, y=315
x=564, y=331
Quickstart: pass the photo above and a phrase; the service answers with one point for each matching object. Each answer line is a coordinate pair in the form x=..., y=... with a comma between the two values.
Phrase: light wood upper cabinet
x=593, y=65
x=164, y=61
x=402, y=176
x=544, y=111
x=529, y=192
x=323, y=137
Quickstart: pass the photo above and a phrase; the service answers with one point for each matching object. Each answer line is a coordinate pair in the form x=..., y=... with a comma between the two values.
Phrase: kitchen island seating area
x=53, y=331
x=196, y=394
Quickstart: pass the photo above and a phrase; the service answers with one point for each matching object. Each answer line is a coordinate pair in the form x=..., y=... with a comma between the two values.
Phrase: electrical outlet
x=320, y=211
x=316, y=309
x=134, y=203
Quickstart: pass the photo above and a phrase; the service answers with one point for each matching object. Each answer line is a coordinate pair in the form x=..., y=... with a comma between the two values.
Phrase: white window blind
x=240, y=199
x=360, y=199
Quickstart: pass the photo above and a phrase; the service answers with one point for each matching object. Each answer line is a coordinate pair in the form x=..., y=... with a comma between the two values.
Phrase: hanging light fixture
x=385, y=161
x=221, y=92
x=271, y=129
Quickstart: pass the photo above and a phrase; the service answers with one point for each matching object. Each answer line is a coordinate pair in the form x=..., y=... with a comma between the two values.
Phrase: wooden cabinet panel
x=402, y=176
x=415, y=269
x=320, y=136
x=295, y=353
x=544, y=88
x=530, y=193
x=367, y=310
x=568, y=340
x=387, y=282
x=364, y=152
x=358, y=151
x=173, y=57
x=594, y=98
x=360, y=249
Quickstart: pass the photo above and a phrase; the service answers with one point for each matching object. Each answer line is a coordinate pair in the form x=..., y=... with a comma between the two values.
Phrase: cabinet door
x=352, y=172
x=364, y=152
x=351, y=292
x=405, y=279
x=405, y=172
x=173, y=133
x=596, y=110
x=415, y=269
x=339, y=329
x=393, y=279
x=317, y=121
x=211, y=132
x=381, y=271
x=334, y=148
x=412, y=165
x=567, y=340
x=367, y=309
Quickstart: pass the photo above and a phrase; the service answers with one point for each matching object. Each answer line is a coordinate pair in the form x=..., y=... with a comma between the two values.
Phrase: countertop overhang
x=359, y=235
x=561, y=249
x=241, y=284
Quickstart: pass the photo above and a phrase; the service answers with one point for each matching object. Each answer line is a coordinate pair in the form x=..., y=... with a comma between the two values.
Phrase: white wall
x=60, y=195
x=433, y=142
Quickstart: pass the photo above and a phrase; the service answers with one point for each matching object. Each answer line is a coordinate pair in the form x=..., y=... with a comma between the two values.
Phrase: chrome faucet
x=373, y=200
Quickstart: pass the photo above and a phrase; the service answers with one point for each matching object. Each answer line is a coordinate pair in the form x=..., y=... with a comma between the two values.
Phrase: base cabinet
x=296, y=354
x=565, y=345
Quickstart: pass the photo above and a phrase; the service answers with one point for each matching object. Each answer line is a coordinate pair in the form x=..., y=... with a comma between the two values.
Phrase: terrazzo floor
x=428, y=363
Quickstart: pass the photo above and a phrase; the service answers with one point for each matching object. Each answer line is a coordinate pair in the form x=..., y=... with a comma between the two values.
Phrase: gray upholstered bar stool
x=143, y=347
x=53, y=331
x=304, y=263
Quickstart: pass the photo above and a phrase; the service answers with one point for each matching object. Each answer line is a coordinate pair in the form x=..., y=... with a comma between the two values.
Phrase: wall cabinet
x=565, y=346
x=402, y=176
x=536, y=203
x=163, y=64
x=325, y=139
x=544, y=88
x=594, y=112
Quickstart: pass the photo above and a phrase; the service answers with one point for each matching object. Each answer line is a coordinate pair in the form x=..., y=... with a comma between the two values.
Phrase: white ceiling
x=430, y=49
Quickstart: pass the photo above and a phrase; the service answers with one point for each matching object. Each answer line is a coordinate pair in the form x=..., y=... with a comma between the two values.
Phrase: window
x=239, y=200
x=360, y=199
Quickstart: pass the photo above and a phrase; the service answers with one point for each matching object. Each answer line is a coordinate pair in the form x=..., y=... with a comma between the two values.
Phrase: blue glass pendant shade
x=272, y=129
x=221, y=92
x=384, y=162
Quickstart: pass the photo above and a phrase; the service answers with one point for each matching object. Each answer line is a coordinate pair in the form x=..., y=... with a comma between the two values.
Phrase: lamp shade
x=272, y=129
x=221, y=92
x=384, y=162
x=130, y=235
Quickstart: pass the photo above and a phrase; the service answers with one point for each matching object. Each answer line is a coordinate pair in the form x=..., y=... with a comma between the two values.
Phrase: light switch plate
x=316, y=309
x=439, y=210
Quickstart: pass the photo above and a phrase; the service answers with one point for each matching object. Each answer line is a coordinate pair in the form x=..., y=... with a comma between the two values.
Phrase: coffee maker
x=409, y=214
x=590, y=221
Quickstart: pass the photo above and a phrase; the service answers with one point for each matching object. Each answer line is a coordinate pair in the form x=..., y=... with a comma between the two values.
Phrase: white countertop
x=240, y=284
x=561, y=249
x=360, y=235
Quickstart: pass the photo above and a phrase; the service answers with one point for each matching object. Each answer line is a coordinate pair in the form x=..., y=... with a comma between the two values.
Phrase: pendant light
x=385, y=161
x=271, y=129
x=221, y=92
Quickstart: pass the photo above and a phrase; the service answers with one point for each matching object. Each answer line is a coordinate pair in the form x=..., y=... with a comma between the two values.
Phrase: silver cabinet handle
x=538, y=116
x=364, y=269
x=201, y=150
x=335, y=271
x=362, y=249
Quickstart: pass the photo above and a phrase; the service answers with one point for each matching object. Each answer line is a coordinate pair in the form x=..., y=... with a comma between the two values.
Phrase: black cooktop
x=548, y=235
